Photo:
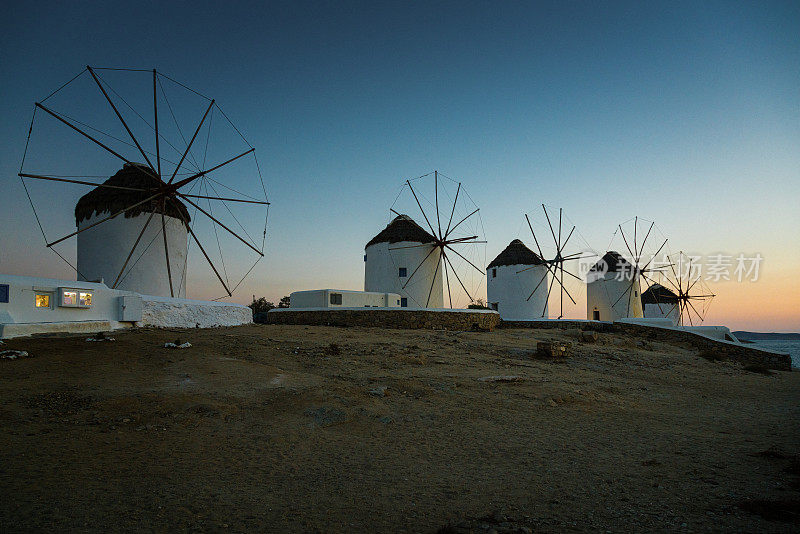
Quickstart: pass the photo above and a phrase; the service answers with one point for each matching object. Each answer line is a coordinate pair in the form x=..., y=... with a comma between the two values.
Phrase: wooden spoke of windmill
x=689, y=290
x=443, y=241
x=163, y=192
x=555, y=265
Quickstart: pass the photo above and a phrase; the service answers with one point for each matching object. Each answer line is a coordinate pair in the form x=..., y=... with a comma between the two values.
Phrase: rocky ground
x=292, y=428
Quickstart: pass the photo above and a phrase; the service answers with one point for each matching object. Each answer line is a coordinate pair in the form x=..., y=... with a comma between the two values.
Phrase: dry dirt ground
x=270, y=428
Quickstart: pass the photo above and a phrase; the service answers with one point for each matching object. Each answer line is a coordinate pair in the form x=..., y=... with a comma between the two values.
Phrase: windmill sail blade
x=234, y=234
x=466, y=260
x=447, y=259
x=464, y=219
x=119, y=116
x=189, y=145
x=80, y=182
x=544, y=277
x=433, y=283
x=420, y=265
x=135, y=244
x=645, y=241
x=104, y=219
x=452, y=211
x=433, y=232
x=166, y=249
x=447, y=277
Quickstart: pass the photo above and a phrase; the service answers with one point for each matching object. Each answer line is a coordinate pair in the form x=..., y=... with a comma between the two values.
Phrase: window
x=398, y=302
x=336, y=299
x=75, y=298
x=402, y=272
x=69, y=298
x=494, y=305
x=596, y=315
x=494, y=273
x=365, y=257
x=3, y=292
x=42, y=300
x=403, y=302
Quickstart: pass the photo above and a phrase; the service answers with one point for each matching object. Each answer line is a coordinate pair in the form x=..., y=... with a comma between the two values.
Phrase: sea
x=790, y=346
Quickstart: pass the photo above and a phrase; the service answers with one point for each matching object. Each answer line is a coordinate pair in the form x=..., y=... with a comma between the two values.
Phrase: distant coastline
x=762, y=336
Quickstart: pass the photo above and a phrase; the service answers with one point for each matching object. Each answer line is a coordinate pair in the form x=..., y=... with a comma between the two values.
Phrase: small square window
x=84, y=298
x=42, y=300
x=494, y=273
x=336, y=298
x=403, y=302
x=69, y=298
x=402, y=272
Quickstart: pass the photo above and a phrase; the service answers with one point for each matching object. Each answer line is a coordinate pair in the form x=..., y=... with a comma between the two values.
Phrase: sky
x=686, y=114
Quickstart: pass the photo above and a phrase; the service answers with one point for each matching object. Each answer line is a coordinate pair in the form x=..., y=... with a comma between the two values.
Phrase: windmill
x=617, y=276
x=561, y=262
x=689, y=289
x=147, y=201
x=433, y=241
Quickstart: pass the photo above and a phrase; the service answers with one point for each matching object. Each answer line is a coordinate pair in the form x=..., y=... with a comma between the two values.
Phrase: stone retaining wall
x=744, y=354
x=741, y=353
x=596, y=326
x=389, y=318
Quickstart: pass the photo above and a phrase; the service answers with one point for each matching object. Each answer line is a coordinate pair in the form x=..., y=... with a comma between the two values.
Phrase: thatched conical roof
x=516, y=253
x=658, y=294
x=108, y=200
x=612, y=262
x=402, y=228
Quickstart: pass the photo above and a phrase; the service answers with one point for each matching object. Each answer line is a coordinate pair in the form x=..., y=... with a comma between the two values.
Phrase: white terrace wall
x=110, y=309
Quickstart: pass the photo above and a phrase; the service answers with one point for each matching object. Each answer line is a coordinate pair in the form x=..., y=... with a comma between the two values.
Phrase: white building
x=30, y=305
x=404, y=259
x=507, y=289
x=103, y=249
x=342, y=298
x=659, y=302
x=612, y=289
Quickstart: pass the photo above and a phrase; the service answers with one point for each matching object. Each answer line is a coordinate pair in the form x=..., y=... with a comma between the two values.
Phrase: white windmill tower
x=613, y=285
x=510, y=276
x=612, y=289
x=418, y=262
x=133, y=230
x=659, y=302
x=414, y=253
x=104, y=250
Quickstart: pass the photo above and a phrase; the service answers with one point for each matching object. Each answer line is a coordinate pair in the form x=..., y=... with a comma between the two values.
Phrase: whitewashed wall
x=321, y=298
x=102, y=251
x=510, y=291
x=381, y=269
x=601, y=294
x=663, y=310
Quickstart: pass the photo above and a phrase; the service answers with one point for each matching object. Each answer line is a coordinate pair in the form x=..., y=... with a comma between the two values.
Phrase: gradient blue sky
x=684, y=113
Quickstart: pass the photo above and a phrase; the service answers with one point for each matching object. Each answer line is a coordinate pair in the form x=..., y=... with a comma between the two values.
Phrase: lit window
x=403, y=273
x=42, y=300
x=84, y=299
x=336, y=298
x=69, y=298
